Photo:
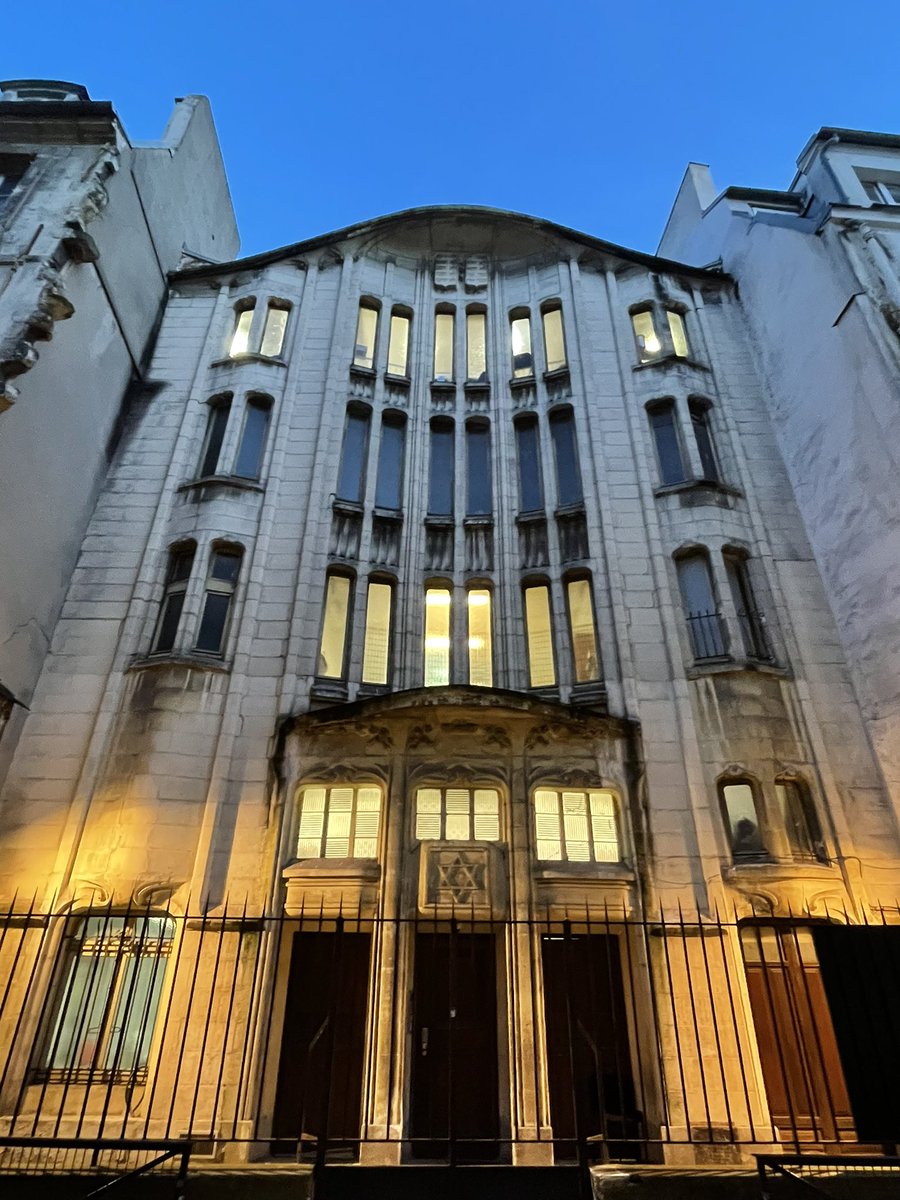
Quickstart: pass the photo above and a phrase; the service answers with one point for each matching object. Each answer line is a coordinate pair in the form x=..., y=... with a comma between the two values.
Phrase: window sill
x=365, y=690
x=698, y=486
x=560, y=375
x=440, y=522
x=726, y=665
x=592, y=694
x=570, y=510
x=443, y=387
x=399, y=381
x=332, y=868
x=233, y=482
x=582, y=872
x=362, y=372
x=235, y=360
x=776, y=870
x=533, y=516
x=524, y=381
x=333, y=690
x=477, y=387
x=668, y=360
x=481, y=521
x=348, y=507
x=194, y=662
x=389, y=514
x=545, y=693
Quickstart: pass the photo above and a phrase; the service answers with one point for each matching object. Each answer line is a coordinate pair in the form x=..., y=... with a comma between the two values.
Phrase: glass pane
x=522, y=358
x=531, y=492
x=140, y=987
x=668, y=449
x=366, y=326
x=443, y=347
x=740, y=809
x=353, y=458
x=378, y=632
x=441, y=477
x=487, y=815
x=213, y=622
x=568, y=477
x=337, y=829
x=253, y=440
x=457, y=821
x=554, y=342
x=389, y=482
x=696, y=587
x=478, y=456
x=796, y=818
x=603, y=825
x=679, y=337
x=368, y=818
x=170, y=616
x=547, y=827
x=575, y=826
x=540, y=640
x=480, y=655
x=240, y=341
x=273, y=332
x=437, y=637
x=645, y=335
x=476, y=347
x=225, y=566
x=398, y=345
x=700, y=421
x=215, y=433
x=428, y=814
x=312, y=823
x=334, y=627
x=584, y=638
x=180, y=563
x=75, y=1040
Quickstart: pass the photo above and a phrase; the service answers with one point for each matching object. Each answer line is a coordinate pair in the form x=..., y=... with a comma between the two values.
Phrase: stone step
x=449, y=1183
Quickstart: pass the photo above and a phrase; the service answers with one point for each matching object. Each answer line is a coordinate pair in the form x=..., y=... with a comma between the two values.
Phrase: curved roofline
x=267, y=257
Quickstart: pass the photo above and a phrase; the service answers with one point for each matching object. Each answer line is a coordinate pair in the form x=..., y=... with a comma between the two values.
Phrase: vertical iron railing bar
x=538, y=1016
x=189, y=1008
x=7, y=925
x=792, y=1116
x=36, y=964
x=201, y=1057
x=696, y=1027
x=664, y=934
x=396, y=949
x=815, y=1026
x=451, y=1041
x=248, y=1025
x=173, y=985
x=634, y=1039
x=13, y=972
x=799, y=1039
x=617, y=1043
x=732, y=1009
x=226, y=1029
x=664, y=1090
x=715, y=1024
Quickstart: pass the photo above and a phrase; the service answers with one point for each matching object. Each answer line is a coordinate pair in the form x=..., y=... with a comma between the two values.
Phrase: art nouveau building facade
x=447, y=637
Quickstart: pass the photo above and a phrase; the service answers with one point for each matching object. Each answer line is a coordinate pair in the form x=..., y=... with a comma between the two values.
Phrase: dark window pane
x=180, y=563
x=225, y=566
x=215, y=432
x=531, y=493
x=353, y=458
x=212, y=624
x=389, y=484
x=440, y=487
x=562, y=430
x=168, y=622
x=700, y=420
x=662, y=421
x=704, y=623
x=253, y=440
x=478, y=455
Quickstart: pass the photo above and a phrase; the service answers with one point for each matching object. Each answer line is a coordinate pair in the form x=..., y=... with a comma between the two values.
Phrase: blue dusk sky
x=581, y=111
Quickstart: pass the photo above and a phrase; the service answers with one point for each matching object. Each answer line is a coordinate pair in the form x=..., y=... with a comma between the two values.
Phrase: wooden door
x=454, y=1102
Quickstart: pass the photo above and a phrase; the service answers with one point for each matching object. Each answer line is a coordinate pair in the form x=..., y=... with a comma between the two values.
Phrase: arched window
x=645, y=335
x=476, y=344
x=554, y=336
x=339, y=822
x=539, y=633
x=444, y=334
x=740, y=810
x=575, y=825
x=707, y=631
x=799, y=818
x=568, y=475
x=248, y=463
x=178, y=573
x=520, y=343
x=441, y=474
x=582, y=630
x=754, y=631
x=481, y=665
x=479, y=499
x=457, y=814
x=240, y=334
x=216, y=424
x=366, y=332
x=389, y=480
x=437, y=635
x=352, y=474
x=398, y=342
x=377, y=642
x=528, y=446
x=700, y=422
x=218, y=598
x=335, y=616
x=275, y=328
x=664, y=425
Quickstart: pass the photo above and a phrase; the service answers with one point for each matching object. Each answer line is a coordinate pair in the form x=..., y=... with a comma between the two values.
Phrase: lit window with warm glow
x=576, y=826
x=541, y=668
x=648, y=343
x=240, y=338
x=443, y=347
x=554, y=339
x=398, y=345
x=481, y=670
x=457, y=814
x=476, y=347
x=677, y=332
x=274, y=330
x=437, y=637
x=334, y=627
x=582, y=631
x=520, y=338
x=339, y=822
x=378, y=633
x=366, y=329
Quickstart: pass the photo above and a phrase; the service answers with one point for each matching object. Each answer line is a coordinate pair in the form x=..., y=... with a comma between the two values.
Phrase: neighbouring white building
x=446, y=748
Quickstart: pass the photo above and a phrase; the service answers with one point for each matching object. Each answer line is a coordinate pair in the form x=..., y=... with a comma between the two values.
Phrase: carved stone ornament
x=378, y=737
x=455, y=876
x=154, y=895
x=324, y=771
x=87, y=893
x=454, y=774
x=420, y=735
x=575, y=777
x=487, y=735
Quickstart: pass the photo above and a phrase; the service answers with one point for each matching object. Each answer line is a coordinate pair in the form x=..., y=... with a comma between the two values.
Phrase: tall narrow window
x=106, y=998
x=668, y=445
x=398, y=344
x=457, y=814
x=703, y=436
x=520, y=344
x=334, y=628
x=568, y=476
x=216, y=424
x=248, y=463
x=677, y=332
x=274, y=329
x=376, y=650
x=443, y=347
x=531, y=491
x=739, y=808
x=441, y=469
x=12, y=169
x=181, y=560
x=389, y=482
x=437, y=637
x=575, y=826
x=339, y=822
x=224, y=566
x=352, y=474
x=541, y=668
x=752, y=621
x=478, y=464
x=476, y=346
x=582, y=630
x=648, y=343
x=554, y=338
x=799, y=819
x=703, y=619
x=481, y=667
x=366, y=329
x=240, y=338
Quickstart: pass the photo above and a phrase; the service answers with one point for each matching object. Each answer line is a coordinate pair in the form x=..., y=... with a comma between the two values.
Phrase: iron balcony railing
x=756, y=637
x=708, y=635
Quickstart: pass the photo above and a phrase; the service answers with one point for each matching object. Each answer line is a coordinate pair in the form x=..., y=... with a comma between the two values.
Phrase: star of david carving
x=461, y=879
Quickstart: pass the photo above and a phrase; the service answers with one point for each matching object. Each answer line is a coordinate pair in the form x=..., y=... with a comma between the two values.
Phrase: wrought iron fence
x=576, y=1036
x=708, y=636
x=756, y=636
